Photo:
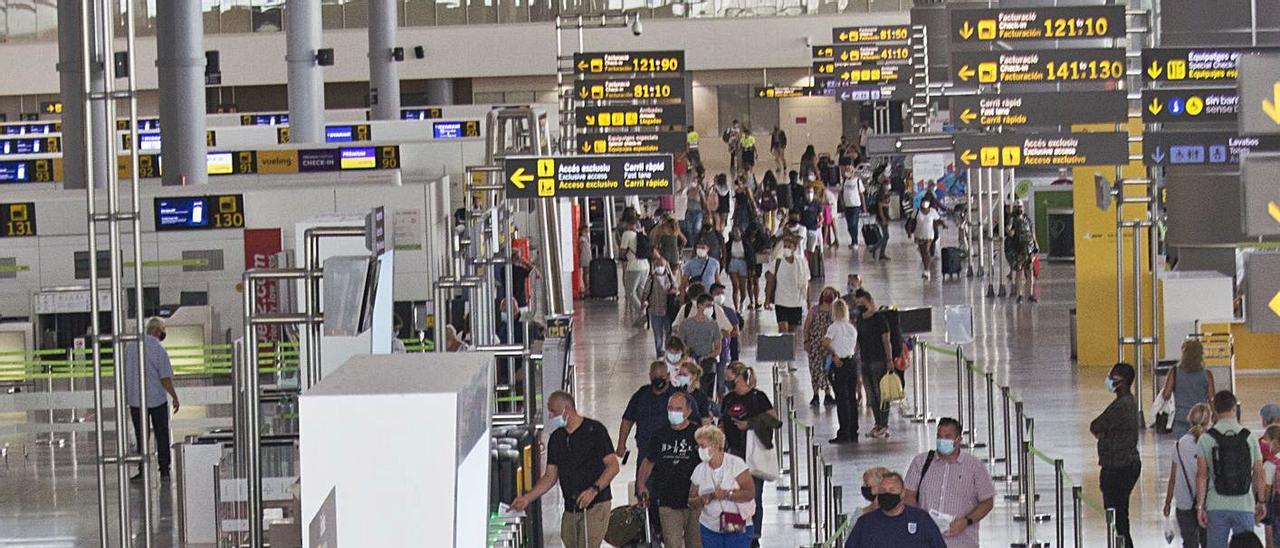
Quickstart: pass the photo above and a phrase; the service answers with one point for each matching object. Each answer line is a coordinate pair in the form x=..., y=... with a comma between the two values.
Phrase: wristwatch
x=968, y=521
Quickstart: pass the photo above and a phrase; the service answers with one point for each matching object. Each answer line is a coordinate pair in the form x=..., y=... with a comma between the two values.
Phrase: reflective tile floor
x=48, y=498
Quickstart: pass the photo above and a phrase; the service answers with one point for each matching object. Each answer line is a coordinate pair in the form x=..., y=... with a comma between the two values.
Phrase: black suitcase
x=604, y=278
x=953, y=260
x=871, y=234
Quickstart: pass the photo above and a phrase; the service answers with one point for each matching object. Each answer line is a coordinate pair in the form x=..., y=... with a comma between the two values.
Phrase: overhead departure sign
x=18, y=220
x=1260, y=95
x=630, y=116
x=199, y=212
x=865, y=92
x=862, y=72
x=430, y=113
x=1043, y=23
x=1043, y=150
x=1033, y=67
x=784, y=92
x=455, y=130
x=885, y=54
x=1039, y=109
x=626, y=89
x=30, y=145
x=1216, y=64
x=628, y=62
x=1261, y=175
x=1201, y=147
x=584, y=176
x=871, y=34
x=1262, y=292
x=1190, y=105
x=631, y=143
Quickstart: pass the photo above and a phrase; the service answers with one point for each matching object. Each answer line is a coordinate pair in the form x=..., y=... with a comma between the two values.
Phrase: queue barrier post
x=1059, y=502
x=828, y=506
x=815, y=484
x=797, y=506
x=917, y=414
x=1111, y=528
x=992, y=456
x=971, y=387
x=1077, y=518
x=926, y=415
x=793, y=458
x=1008, y=477
x=1016, y=482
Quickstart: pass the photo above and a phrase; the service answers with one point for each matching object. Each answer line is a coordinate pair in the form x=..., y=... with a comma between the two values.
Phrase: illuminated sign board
x=631, y=143
x=220, y=163
x=844, y=91
x=346, y=133
x=455, y=130
x=985, y=25
x=1034, y=67
x=18, y=220
x=870, y=34
x=31, y=145
x=15, y=172
x=144, y=124
x=862, y=72
x=358, y=158
x=51, y=107
x=626, y=89
x=632, y=116
x=628, y=62
x=585, y=176
x=883, y=54
x=1214, y=64
x=199, y=212
x=1201, y=147
x=785, y=92
x=1039, y=109
x=421, y=113
x=1044, y=150
x=37, y=128
x=263, y=119
x=1190, y=105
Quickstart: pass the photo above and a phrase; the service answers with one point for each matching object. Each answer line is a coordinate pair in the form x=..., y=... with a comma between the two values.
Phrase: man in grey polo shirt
x=159, y=382
x=953, y=486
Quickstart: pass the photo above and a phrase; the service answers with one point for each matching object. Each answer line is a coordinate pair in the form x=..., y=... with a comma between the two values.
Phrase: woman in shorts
x=741, y=256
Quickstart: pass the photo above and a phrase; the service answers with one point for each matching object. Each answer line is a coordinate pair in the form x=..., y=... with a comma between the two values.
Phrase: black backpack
x=1232, y=463
x=895, y=330
x=644, y=248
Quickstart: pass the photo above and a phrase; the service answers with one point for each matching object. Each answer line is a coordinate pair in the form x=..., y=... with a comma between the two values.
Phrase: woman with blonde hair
x=871, y=478
x=723, y=492
x=1189, y=383
x=1182, y=479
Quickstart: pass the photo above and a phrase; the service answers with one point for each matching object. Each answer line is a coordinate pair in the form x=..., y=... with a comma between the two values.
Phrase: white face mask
x=704, y=454
x=702, y=253
x=659, y=270
x=788, y=253
x=720, y=299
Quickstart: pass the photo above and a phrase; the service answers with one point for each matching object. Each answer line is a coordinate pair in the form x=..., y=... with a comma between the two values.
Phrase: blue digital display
x=447, y=130
x=22, y=146
x=15, y=172
x=148, y=141
x=266, y=119
x=149, y=124
x=420, y=113
x=182, y=213
x=1186, y=154
x=24, y=129
x=339, y=134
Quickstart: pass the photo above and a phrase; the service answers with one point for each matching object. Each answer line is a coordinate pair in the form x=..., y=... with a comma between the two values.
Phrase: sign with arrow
x=1201, y=147
x=1260, y=174
x=631, y=143
x=1262, y=292
x=846, y=91
x=985, y=25
x=630, y=116
x=627, y=89
x=1041, y=150
x=785, y=92
x=1039, y=109
x=588, y=176
x=857, y=73
x=1212, y=64
x=1259, y=87
x=1038, y=67
x=629, y=62
x=871, y=34
x=882, y=54
x=1190, y=105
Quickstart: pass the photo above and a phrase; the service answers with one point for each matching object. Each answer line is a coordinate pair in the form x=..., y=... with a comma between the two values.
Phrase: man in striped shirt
x=953, y=486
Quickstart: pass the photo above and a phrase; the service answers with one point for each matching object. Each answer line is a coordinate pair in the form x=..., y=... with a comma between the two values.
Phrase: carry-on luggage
x=953, y=261
x=604, y=278
x=871, y=234
x=628, y=527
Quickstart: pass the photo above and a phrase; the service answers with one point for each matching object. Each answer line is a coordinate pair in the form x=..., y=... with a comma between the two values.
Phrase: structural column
x=384, y=75
x=73, y=106
x=180, y=64
x=440, y=91
x=306, y=79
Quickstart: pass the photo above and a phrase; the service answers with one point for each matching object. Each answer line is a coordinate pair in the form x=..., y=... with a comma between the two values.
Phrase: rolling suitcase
x=871, y=234
x=604, y=278
x=952, y=261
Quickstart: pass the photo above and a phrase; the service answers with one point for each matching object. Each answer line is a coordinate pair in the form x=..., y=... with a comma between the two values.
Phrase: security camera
x=808, y=42
x=636, y=27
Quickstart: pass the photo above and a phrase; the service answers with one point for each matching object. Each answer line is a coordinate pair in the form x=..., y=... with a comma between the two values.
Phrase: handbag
x=733, y=522
x=762, y=462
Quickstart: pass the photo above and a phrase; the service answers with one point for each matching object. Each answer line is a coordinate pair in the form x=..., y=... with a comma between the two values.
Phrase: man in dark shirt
x=1117, y=432
x=668, y=465
x=877, y=353
x=580, y=458
x=647, y=411
x=894, y=523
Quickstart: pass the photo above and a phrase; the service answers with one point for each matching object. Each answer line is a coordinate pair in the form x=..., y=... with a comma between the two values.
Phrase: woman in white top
x=1182, y=489
x=841, y=343
x=723, y=491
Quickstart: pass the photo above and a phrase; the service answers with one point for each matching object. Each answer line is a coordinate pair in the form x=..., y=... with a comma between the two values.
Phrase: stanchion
x=1111, y=528
x=815, y=483
x=1008, y=476
x=917, y=408
x=793, y=458
x=973, y=416
x=837, y=504
x=966, y=426
x=796, y=506
x=1019, y=424
x=1059, y=502
x=925, y=416
x=1028, y=502
x=782, y=441
x=992, y=456
x=1077, y=519
x=828, y=508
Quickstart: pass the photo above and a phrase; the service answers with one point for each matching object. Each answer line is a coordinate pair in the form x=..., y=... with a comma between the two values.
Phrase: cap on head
x=1270, y=413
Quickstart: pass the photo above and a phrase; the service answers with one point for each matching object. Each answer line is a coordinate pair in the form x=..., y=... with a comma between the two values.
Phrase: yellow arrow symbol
x=586, y=147
x=1154, y=71
x=844, y=36
x=1274, y=305
x=1272, y=106
x=1274, y=209
x=1155, y=107
x=966, y=31
x=968, y=157
x=582, y=65
x=583, y=93
x=967, y=116
x=519, y=178
x=844, y=56
x=966, y=72
x=591, y=120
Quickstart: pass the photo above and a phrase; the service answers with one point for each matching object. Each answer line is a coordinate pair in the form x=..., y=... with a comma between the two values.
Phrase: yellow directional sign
x=1274, y=305
x=1274, y=209
x=966, y=30
x=588, y=176
x=967, y=157
x=519, y=178
x=1271, y=107
x=1195, y=105
x=967, y=116
x=1155, y=107
x=1154, y=71
x=966, y=73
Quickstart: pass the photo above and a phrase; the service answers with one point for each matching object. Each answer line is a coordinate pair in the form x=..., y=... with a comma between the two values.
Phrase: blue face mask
x=675, y=417
x=556, y=423
x=680, y=381
x=673, y=357
x=946, y=446
x=1110, y=385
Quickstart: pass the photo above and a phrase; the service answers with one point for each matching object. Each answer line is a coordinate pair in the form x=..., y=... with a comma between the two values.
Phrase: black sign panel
x=871, y=34
x=430, y=113
x=864, y=92
x=857, y=73
x=884, y=54
x=1041, y=150
x=785, y=92
x=626, y=89
x=628, y=62
x=981, y=26
x=630, y=116
x=199, y=212
x=1215, y=64
x=582, y=176
x=1039, y=109
x=1190, y=105
x=1173, y=148
x=631, y=143
x=18, y=220
x=1035, y=67
x=30, y=145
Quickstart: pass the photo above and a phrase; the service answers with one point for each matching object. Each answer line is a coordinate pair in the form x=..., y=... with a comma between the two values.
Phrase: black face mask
x=162, y=335
x=889, y=501
x=659, y=384
x=867, y=494
x=731, y=385
x=860, y=309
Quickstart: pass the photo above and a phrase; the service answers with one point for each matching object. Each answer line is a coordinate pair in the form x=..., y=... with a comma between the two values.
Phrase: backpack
x=890, y=390
x=768, y=200
x=644, y=248
x=1232, y=463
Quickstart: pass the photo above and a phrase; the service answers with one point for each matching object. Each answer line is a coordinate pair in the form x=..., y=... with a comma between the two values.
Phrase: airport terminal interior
x=674, y=273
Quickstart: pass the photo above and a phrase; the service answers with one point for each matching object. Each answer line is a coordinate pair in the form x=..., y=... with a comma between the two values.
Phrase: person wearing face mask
x=787, y=288
x=927, y=222
x=580, y=458
x=953, y=486
x=703, y=268
x=664, y=477
x=851, y=199
x=1117, y=430
x=722, y=493
x=661, y=301
x=676, y=353
x=646, y=411
x=875, y=345
x=811, y=218
x=159, y=383
x=841, y=343
x=894, y=523
x=815, y=330
x=721, y=203
x=742, y=258
x=747, y=410
x=700, y=332
x=871, y=479
x=729, y=346
x=688, y=379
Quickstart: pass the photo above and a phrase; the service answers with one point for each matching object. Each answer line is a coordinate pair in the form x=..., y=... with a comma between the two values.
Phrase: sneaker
x=884, y=258
x=1033, y=299
x=839, y=440
x=815, y=401
x=924, y=275
x=1019, y=299
x=830, y=401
